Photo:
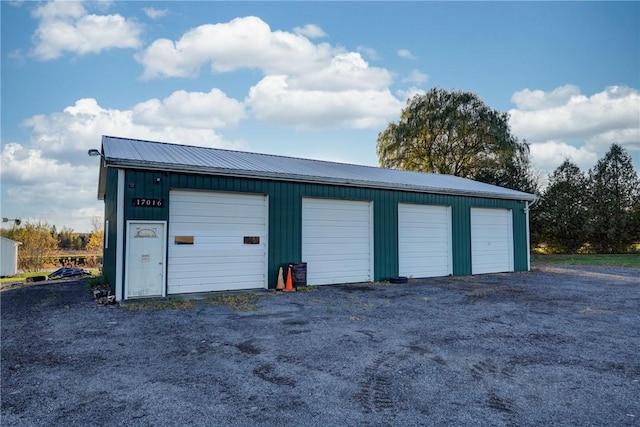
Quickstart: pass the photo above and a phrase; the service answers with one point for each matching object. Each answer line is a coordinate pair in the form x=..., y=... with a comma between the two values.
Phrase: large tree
x=614, y=190
x=562, y=212
x=456, y=133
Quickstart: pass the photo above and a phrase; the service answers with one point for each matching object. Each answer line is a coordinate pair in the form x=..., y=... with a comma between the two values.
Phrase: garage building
x=182, y=219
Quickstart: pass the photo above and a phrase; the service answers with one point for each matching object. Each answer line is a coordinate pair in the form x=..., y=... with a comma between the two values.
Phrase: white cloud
x=20, y=164
x=211, y=110
x=68, y=134
x=409, y=93
x=68, y=27
x=154, y=13
x=416, y=77
x=245, y=42
x=305, y=85
x=565, y=115
x=272, y=100
x=368, y=52
x=310, y=30
x=406, y=54
x=51, y=178
x=547, y=156
x=345, y=71
x=45, y=189
x=531, y=100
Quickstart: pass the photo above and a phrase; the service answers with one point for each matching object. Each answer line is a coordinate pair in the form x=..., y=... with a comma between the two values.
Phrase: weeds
x=97, y=282
x=171, y=304
x=236, y=302
x=306, y=288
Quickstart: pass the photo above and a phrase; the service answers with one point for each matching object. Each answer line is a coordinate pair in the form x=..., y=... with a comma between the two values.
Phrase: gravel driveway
x=557, y=346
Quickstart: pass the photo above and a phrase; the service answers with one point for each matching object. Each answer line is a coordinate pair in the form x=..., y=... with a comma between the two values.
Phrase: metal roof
x=132, y=153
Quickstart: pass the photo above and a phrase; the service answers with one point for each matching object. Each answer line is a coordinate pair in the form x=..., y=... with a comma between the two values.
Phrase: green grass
x=22, y=277
x=614, y=260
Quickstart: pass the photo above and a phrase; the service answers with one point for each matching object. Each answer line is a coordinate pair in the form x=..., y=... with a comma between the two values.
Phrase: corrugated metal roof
x=131, y=153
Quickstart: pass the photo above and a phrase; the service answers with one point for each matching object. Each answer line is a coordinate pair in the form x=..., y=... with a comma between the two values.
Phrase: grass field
x=21, y=277
x=617, y=260
x=24, y=276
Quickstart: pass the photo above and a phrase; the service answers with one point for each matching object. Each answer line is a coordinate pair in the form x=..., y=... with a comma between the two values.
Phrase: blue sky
x=307, y=79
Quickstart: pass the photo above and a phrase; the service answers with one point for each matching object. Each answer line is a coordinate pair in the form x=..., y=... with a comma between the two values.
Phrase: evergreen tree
x=563, y=212
x=614, y=189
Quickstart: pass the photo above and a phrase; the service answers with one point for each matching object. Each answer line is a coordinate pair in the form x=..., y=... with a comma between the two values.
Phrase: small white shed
x=8, y=257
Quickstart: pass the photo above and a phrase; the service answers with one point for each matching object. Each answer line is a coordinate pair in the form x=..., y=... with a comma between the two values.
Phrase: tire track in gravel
x=375, y=389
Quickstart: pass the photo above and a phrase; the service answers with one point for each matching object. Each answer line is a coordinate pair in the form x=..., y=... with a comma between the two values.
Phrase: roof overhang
x=237, y=173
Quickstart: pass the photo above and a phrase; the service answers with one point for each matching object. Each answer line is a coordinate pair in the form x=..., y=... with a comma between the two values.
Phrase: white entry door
x=145, y=268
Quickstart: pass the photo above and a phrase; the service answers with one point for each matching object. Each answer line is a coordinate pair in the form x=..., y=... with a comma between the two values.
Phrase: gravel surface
x=556, y=346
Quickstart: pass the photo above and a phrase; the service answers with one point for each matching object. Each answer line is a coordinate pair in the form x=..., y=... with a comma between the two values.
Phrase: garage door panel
x=218, y=259
x=246, y=213
x=491, y=240
x=337, y=241
x=340, y=244
x=223, y=260
x=350, y=259
x=424, y=240
x=232, y=284
x=346, y=234
x=202, y=222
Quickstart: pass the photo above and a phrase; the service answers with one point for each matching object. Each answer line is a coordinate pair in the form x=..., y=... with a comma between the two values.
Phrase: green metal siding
x=143, y=184
x=285, y=215
x=110, y=214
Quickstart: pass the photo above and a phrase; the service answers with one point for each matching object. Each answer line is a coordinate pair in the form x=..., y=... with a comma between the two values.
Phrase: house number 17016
x=147, y=203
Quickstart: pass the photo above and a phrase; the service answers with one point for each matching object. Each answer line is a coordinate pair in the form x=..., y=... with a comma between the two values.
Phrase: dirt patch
x=558, y=346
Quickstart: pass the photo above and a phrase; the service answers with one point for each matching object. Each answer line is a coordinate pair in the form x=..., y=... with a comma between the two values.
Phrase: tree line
x=597, y=211
x=456, y=133
x=40, y=241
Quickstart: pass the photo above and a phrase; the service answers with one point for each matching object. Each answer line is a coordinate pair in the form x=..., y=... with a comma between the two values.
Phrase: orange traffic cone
x=289, y=286
x=280, y=283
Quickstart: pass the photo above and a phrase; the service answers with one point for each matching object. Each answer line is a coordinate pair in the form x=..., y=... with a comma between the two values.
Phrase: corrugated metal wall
x=110, y=214
x=285, y=215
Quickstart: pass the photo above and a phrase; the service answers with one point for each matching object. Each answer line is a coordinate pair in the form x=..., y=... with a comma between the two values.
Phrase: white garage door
x=424, y=240
x=491, y=241
x=217, y=241
x=337, y=241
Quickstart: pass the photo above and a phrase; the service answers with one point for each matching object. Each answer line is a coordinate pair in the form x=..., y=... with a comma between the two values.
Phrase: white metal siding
x=424, y=240
x=8, y=257
x=337, y=241
x=491, y=240
x=219, y=259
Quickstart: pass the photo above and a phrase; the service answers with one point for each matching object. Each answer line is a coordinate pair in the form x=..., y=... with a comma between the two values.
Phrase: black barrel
x=298, y=274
